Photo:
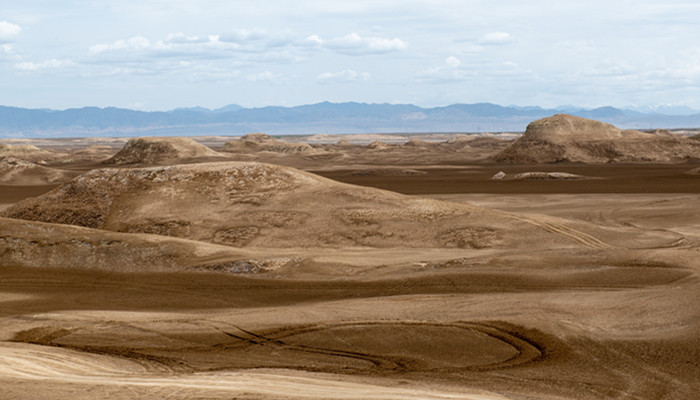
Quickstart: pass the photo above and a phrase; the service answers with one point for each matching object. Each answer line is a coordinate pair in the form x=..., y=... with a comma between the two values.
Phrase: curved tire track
x=526, y=350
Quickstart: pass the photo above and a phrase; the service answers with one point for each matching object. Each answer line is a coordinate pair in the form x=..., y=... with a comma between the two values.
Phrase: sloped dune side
x=25, y=152
x=15, y=171
x=253, y=204
x=157, y=150
x=565, y=137
x=42, y=245
x=257, y=142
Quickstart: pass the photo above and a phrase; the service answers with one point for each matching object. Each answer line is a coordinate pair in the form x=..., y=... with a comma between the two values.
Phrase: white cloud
x=353, y=43
x=9, y=31
x=344, y=76
x=180, y=38
x=610, y=68
x=241, y=48
x=243, y=35
x=44, y=65
x=452, y=62
x=135, y=43
x=496, y=38
x=450, y=72
x=266, y=76
x=313, y=40
x=257, y=47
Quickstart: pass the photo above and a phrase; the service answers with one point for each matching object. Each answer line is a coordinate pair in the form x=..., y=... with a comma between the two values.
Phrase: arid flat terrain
x=439, y=267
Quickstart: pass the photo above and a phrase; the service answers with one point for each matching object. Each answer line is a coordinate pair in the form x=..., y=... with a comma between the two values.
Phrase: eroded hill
x=15, y=171
x=564, y=137
x=162, y=150
x=254, y=204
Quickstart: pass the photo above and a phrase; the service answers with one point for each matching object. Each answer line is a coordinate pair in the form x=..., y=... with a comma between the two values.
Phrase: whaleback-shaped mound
x=41, y=245
x=565, y=137
x=26, y=152
x=162, y=150
x=254, y=204
x=7, y=149
x=256, y=142
x=15, y=171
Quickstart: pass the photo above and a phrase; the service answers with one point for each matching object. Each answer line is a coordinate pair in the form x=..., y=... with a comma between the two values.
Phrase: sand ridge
x=257, y=142
x=16, y=171
x=159, y=150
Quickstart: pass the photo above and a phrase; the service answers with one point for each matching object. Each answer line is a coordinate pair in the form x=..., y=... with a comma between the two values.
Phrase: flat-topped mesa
x=245, y=204
x=161, y=150
x=565, y=137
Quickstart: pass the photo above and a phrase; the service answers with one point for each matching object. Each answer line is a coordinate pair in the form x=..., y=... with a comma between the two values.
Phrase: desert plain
x=561, y=263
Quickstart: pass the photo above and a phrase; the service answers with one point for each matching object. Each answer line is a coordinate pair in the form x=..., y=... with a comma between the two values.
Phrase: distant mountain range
x=317, y=118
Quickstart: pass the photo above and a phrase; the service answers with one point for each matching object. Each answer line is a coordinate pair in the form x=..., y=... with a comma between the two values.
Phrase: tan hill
x=567, y=138
x=18, y=148
x=377, y=145
x=162, y=150
x=42, y=245
x=257, y=142
x=254, y=204
x=93, y=153
x=15, y=171
x=25, y=152
x=419, y=143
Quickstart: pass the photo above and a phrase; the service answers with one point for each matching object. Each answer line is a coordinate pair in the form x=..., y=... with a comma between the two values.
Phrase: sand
x=488, y=289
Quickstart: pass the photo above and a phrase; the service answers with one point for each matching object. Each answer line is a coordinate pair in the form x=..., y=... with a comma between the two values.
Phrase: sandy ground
x=612, y=312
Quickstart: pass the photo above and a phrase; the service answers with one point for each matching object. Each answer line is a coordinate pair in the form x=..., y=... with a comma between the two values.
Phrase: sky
x=160, y=55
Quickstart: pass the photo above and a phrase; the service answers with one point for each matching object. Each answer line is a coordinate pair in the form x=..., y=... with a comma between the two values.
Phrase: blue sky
x=159, y=55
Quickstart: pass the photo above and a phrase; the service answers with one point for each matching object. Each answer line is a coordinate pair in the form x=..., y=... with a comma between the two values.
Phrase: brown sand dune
x=257, y=142
x=18, y=148
x=42, y=245
x=257, y=137
x=253, y=204
x=419, y=143
x=162, y=150
x=377, y=145
x=25, y=152
x=567, y=138
x=15, y=171
x=93, y=153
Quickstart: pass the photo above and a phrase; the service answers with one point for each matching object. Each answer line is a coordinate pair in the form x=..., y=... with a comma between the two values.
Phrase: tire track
x=526, y=350
x=559, y=229
x=22, y=363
